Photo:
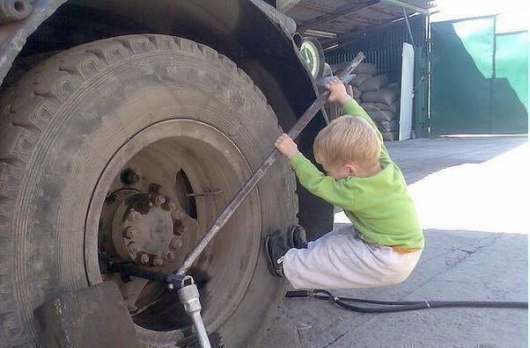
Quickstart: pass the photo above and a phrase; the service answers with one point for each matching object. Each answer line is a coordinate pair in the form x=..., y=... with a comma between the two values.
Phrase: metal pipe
x=408, y=26
x=189, y=297
x=247, y=187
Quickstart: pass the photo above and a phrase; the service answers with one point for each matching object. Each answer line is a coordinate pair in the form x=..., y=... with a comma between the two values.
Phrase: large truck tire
x=126, y=149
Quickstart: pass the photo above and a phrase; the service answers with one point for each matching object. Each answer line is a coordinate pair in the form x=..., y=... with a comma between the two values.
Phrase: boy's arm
x=338, y=94
x=332, y=191
x=310, y=177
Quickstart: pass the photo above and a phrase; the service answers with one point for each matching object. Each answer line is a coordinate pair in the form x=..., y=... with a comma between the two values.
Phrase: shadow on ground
x=456, y=265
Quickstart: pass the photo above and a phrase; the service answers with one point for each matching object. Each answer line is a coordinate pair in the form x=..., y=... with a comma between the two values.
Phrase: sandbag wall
x=378, y=97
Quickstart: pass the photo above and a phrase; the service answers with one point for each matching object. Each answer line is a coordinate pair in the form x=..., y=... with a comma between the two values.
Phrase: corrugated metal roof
x=346, y=19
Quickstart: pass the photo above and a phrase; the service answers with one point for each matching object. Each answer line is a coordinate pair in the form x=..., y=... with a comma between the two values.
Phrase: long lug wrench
x=262, y=169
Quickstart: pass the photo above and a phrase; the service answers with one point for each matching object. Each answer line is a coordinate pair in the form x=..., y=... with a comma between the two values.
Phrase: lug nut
x=144, y=259
x=158, y=262
x=178, y=227
x=134, y=215
x=170, y=256
x=175, y=243
x=133, y=248
x=129, y=232
x=159, y=200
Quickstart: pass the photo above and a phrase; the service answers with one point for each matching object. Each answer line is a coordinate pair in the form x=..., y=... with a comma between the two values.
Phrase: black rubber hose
x=372, y=306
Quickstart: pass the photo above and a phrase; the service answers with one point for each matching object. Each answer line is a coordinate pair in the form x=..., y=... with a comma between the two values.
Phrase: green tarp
x=479, y=79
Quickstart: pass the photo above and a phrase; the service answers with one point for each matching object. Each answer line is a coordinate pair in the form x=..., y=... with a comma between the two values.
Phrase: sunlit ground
x=493, y=196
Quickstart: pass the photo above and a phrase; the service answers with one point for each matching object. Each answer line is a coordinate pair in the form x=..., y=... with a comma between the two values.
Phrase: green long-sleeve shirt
x=380, y=206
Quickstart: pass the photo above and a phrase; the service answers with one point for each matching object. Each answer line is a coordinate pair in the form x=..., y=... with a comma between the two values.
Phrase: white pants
x=342, y=260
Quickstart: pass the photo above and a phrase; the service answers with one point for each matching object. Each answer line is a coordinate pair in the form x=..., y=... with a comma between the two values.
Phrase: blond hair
x=347, y=139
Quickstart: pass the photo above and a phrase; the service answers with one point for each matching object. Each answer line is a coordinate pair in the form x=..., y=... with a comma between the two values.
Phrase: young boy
x=384, y=243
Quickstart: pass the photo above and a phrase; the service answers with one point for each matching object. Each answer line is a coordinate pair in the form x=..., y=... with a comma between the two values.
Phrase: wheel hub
x=147, y=229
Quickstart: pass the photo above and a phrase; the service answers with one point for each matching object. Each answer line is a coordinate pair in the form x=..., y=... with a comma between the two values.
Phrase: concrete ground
x=473, y=196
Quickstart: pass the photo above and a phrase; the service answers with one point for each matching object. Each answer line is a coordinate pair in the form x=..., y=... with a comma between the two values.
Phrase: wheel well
x=237, y=29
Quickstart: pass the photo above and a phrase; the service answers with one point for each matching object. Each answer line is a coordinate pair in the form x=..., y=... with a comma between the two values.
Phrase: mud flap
x=91, y=317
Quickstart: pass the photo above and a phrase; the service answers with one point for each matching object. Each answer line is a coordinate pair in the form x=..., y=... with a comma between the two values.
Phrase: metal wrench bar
x=247, y=187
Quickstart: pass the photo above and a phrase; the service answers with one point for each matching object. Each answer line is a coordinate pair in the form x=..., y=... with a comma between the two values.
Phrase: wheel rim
x=171, y=157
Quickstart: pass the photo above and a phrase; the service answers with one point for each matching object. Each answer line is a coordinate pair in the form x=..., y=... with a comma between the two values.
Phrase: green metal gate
x=479, y=81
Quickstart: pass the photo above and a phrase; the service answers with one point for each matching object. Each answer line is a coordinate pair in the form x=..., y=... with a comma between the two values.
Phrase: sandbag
x=388, y=126
x=370, y=107
x=384, y=95
x=394, y=107
x=374, y=83
x=366, y=68
x=359, y=79
x=381, y=115
x=395, y=86
x=390, y=136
